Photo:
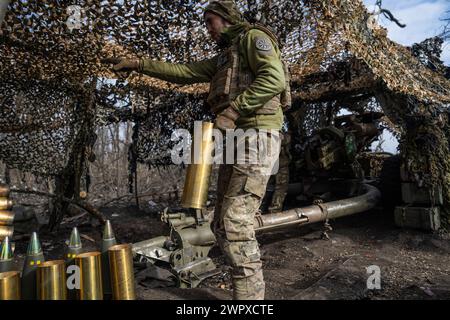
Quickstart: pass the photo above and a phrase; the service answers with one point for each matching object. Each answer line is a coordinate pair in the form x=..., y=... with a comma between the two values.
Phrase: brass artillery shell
x=122, y=276
x=5, y=203
x=6, y=231
x=75, y=246
x=195, y=191
x=90, y=276
x=33, y=259
x=51, y=280
x=7, y=256
x=10, y=285
x=4, y=191
x=6, y=218
x=108, y=240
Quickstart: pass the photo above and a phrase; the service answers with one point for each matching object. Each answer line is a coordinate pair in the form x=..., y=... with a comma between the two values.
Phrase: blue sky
x=422, y=19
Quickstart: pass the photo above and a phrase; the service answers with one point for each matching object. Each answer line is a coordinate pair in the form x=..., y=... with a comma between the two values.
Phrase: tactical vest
x=231, y=79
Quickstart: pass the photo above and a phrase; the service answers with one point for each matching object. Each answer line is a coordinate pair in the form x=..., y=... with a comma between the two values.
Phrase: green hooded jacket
x=263, y=60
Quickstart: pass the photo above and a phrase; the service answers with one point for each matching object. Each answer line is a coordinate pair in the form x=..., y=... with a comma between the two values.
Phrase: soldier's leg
x=244, y=194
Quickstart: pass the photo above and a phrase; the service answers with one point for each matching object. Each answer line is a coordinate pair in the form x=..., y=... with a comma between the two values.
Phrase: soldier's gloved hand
x=226, y=119
x=123, y=66
x=127, y=65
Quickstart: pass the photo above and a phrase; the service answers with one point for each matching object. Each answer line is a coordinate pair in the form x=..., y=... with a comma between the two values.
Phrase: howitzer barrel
x=316, y=213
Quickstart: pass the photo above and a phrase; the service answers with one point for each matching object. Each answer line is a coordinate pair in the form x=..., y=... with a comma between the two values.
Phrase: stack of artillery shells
x=6, y=214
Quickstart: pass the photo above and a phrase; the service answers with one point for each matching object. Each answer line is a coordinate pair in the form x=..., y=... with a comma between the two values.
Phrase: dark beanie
x=226, y=9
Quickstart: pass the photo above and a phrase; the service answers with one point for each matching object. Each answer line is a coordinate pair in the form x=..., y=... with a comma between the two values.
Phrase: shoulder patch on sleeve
x=263, y=44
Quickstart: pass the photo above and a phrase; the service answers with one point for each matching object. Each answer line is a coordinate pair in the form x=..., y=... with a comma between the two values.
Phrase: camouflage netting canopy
x=54, y=91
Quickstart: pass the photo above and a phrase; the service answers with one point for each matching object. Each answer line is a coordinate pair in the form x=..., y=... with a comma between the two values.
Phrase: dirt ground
x=298, y=264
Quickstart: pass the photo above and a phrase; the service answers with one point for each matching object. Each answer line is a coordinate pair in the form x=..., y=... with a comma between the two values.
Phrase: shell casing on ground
x=5, y=203
x=122, y=275
x=90, y=276
x=195, y=191
x=10, y=285
x=6, y=218
x=6, y=231
x=51, y=280
x=4, y=191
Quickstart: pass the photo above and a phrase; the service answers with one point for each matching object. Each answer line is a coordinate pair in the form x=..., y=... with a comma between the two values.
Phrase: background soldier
x=247, y=79
x=281, y=178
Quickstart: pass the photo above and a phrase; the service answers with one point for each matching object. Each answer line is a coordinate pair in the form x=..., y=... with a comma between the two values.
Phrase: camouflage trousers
x=241, y=187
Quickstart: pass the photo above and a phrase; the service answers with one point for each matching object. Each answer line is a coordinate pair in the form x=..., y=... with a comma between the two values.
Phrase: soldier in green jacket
x=248, y=81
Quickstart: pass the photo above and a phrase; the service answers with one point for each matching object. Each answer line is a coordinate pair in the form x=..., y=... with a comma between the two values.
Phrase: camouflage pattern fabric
x=241, y=187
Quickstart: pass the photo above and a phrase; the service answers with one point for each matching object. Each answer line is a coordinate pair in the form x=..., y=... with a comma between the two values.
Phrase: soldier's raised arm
x=189, y=73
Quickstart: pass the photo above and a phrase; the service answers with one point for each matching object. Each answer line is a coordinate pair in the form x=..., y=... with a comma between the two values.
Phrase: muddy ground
x=298, y=264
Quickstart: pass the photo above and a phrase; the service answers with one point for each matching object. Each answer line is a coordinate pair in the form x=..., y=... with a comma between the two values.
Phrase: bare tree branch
x=82, y=204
